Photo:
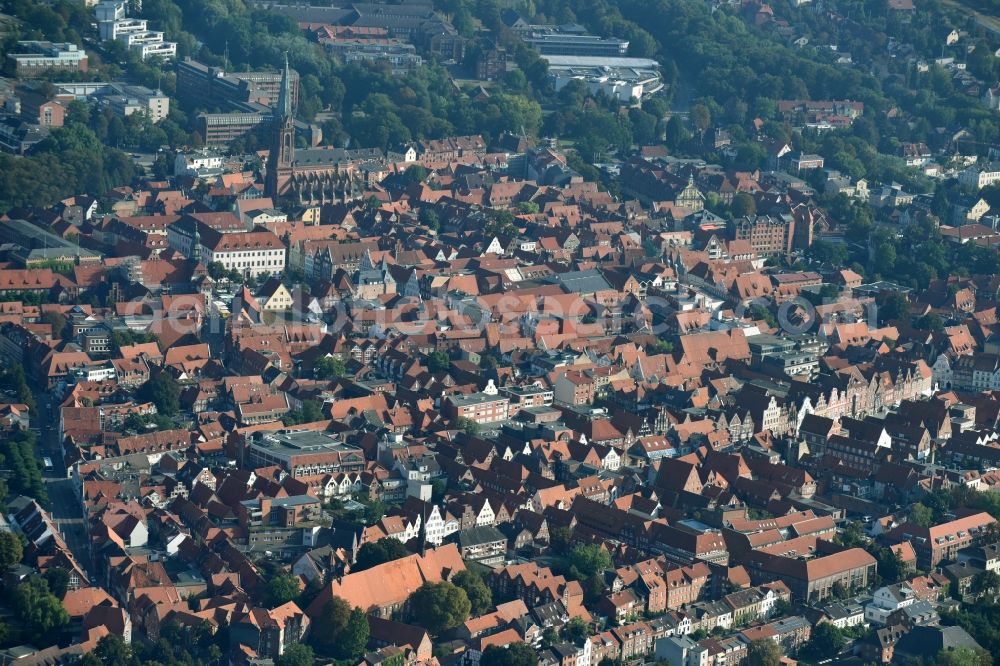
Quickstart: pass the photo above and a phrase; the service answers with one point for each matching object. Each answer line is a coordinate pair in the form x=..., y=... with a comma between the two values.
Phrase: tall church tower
x=282, y=155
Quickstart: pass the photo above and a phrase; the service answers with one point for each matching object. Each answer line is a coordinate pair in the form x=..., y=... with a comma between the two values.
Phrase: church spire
x=284, y=109
x=281, y=161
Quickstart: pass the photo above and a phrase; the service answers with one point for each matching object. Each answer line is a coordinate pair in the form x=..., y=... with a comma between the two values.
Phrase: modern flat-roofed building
x=621, y=83
x=150, y=44
x=279, y=511
x=485, y=545
x=113, y=23
x=31, y=58
x=399, y=56
x=556, y=42
x=301, y=453
x=207, y=86
x=120, y=27
x=198, y=164
x=523, y=397
x=479, y=407
x=110, y=10
x=122, y=98
x=221, y=128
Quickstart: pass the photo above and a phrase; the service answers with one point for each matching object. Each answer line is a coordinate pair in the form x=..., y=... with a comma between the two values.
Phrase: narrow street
x=64, y=505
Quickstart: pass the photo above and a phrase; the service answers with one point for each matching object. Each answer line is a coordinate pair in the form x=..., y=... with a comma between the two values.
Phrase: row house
x=941, y=543
x=790, y=633
x=685, y=546
x=536, y=584
x=636, y=640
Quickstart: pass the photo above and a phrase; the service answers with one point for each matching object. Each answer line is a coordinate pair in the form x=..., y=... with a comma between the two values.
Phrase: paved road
x=990, y=23
x=64, y=505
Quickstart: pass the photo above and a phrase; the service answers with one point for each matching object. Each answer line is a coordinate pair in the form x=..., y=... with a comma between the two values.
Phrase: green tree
x=330, y=367
x=90, y=658
x=21, y=457
x=310, y=412
x=750, y=155
x=443, y=606
x=981, y=620
x=851, y=535
x=885, y=258
x=743, y=204
x=515, y=654
x=963, y=657
x=467, y=425
x=11, y=550
x=781, y=608
x=57, y=579
x=763, y=652
x=840, y=591
x=164, y=392
x=374, y=510
x=57, y=321
x=281, y=589
x=299, y=654
x=987, y=582
x=576, y=630
x=479, y=595
x=895, y=307
x=112, y=650
x=121, y=339
x=354, y=638
x=586, y=563
x=834, y=253
x=677, y=135
x=416, y=174
x=560, y=540
x=340, y=631
x=438, y=489
x=702, y=119
x=890, y=565
x=826, y=641
x=661, y=347
x=329, y=624
x=760, y=313
x=217, y=271
x=921, y=515
x=379, y=552
x=14, y=380
x=429, y=218
x=39, y=609
x=930, y=322
x=585, y=560
x=438, y=361
x=142, y=422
